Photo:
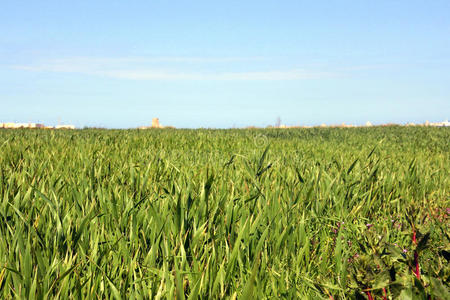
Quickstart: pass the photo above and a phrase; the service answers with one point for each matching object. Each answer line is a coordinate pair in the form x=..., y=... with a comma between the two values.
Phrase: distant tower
x=278, y=122
x=155, y=123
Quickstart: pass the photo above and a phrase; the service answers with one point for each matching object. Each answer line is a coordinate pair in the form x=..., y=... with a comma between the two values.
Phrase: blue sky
x=118, y=64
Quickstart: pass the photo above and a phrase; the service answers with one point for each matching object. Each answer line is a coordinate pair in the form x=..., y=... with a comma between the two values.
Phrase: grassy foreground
x=249, y=214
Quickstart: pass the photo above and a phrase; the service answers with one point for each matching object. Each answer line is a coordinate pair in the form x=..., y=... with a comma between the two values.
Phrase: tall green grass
x=249, y=214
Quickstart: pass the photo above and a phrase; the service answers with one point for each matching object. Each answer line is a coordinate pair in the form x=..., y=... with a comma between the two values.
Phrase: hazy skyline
x=119, y=64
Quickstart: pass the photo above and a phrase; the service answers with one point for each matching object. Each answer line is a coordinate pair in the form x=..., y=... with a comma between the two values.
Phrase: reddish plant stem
x=369, y=295
x=416, y=271
x=416, y=263
x=384, y=294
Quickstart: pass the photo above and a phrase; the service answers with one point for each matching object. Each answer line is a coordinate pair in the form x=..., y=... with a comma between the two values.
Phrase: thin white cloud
x=138, y=69
x=96, y=61
x=366, y=67
x=158, y=75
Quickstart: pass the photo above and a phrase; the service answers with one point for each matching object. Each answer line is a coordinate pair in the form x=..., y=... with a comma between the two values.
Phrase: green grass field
x=358, y=213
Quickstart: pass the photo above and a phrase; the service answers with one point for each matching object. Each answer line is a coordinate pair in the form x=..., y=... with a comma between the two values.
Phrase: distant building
x=21, y=125
x=155, y=123
x=446, y=123
x=64, y=127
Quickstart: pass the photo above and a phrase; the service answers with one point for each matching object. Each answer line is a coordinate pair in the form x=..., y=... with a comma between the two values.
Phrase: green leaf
x=438, y=289
x=250, y=285
x=352, y=166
